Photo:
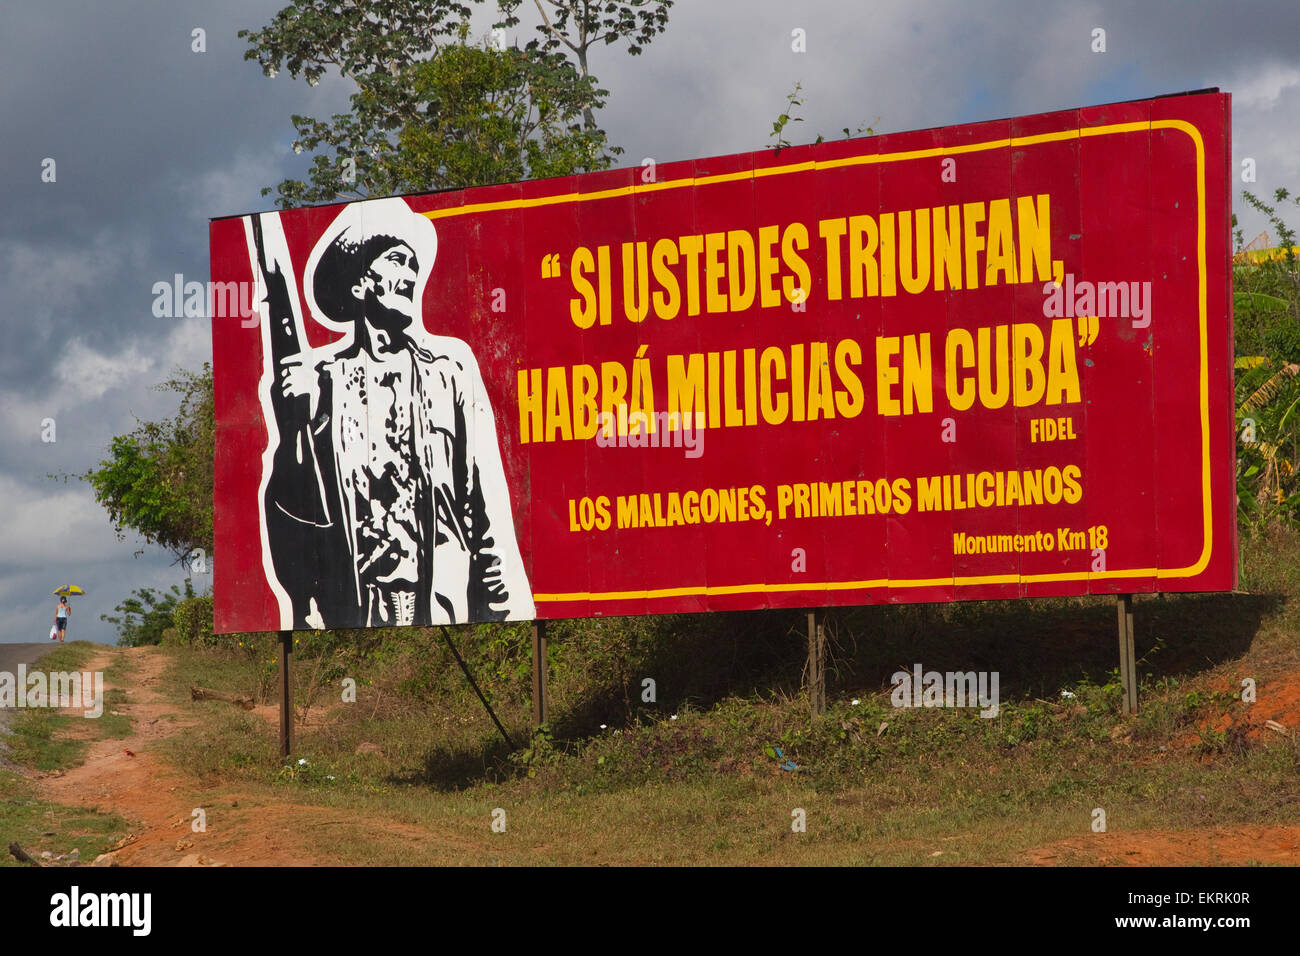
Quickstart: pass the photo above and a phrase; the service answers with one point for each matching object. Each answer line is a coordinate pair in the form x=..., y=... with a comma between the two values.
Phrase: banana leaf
x=1269, y=390
x=1257, y=300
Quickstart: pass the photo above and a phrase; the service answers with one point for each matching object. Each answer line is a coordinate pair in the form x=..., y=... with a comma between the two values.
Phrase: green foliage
x=1266, y=330
x=578, y=25
x=372, y=48
x=157, y=481
x=1267, y=396
x=142, y=618
x=431, y=111
x=778, y=127
x=1285, y=234
x=792, y=103
x=193, y=620
x=496, y=116
x=1266, y=310
x=539, y=752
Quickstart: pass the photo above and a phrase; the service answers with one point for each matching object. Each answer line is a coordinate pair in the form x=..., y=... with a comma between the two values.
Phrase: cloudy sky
x=150, y=139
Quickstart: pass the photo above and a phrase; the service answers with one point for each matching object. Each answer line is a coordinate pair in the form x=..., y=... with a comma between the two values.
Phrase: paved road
x=11, y=655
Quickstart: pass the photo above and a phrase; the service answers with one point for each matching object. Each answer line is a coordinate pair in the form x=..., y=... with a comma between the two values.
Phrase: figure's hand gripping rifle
x=295, y=486
x=282, y=322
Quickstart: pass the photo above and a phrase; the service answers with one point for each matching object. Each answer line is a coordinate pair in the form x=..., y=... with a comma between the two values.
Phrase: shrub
x=193, y=620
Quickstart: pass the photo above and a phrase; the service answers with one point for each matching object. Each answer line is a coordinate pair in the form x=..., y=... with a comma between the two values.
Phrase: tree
x=578, y=25
x=494, y=116
x=157, y=481
x=372, y=48
x=430, y=112
x=145, y=615
x=403, y=57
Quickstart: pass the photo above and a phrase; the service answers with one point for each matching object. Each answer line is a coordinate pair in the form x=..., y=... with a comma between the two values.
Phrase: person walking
x=61, y=617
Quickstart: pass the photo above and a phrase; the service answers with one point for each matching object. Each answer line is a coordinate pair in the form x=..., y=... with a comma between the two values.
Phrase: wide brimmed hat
x=351, y=243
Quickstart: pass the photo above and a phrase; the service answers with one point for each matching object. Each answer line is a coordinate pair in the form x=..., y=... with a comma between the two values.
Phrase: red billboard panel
x=984, y=361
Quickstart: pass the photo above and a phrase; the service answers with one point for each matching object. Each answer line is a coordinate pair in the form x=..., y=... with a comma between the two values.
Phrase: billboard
x=977, y=362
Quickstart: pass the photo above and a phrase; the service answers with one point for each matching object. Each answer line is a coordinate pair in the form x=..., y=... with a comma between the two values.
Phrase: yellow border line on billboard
x=813, y=165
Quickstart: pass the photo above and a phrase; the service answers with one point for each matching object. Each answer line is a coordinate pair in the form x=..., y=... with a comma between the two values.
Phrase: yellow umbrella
x=68, y=589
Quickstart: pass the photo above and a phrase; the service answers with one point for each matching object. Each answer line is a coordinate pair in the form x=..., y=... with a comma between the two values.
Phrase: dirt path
x=1277, y=711
x=1219, y=846
x=252, y=826
x=126, y=776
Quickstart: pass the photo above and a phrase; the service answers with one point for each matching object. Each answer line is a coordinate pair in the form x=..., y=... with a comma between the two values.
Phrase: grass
x=898, y=812
x=72, y=656
x=39, y=826
x=878, y=785
x=44, y=739
x=413, y=771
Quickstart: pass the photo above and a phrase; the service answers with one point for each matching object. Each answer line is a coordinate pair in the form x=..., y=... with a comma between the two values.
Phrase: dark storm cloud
x=137, y=123
x=151, y=139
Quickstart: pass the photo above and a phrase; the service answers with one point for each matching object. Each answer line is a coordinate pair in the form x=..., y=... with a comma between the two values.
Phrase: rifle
x=295, y=461
x=285, y=341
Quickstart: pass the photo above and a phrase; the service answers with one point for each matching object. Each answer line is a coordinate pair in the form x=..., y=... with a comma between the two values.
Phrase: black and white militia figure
x=385, y=501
